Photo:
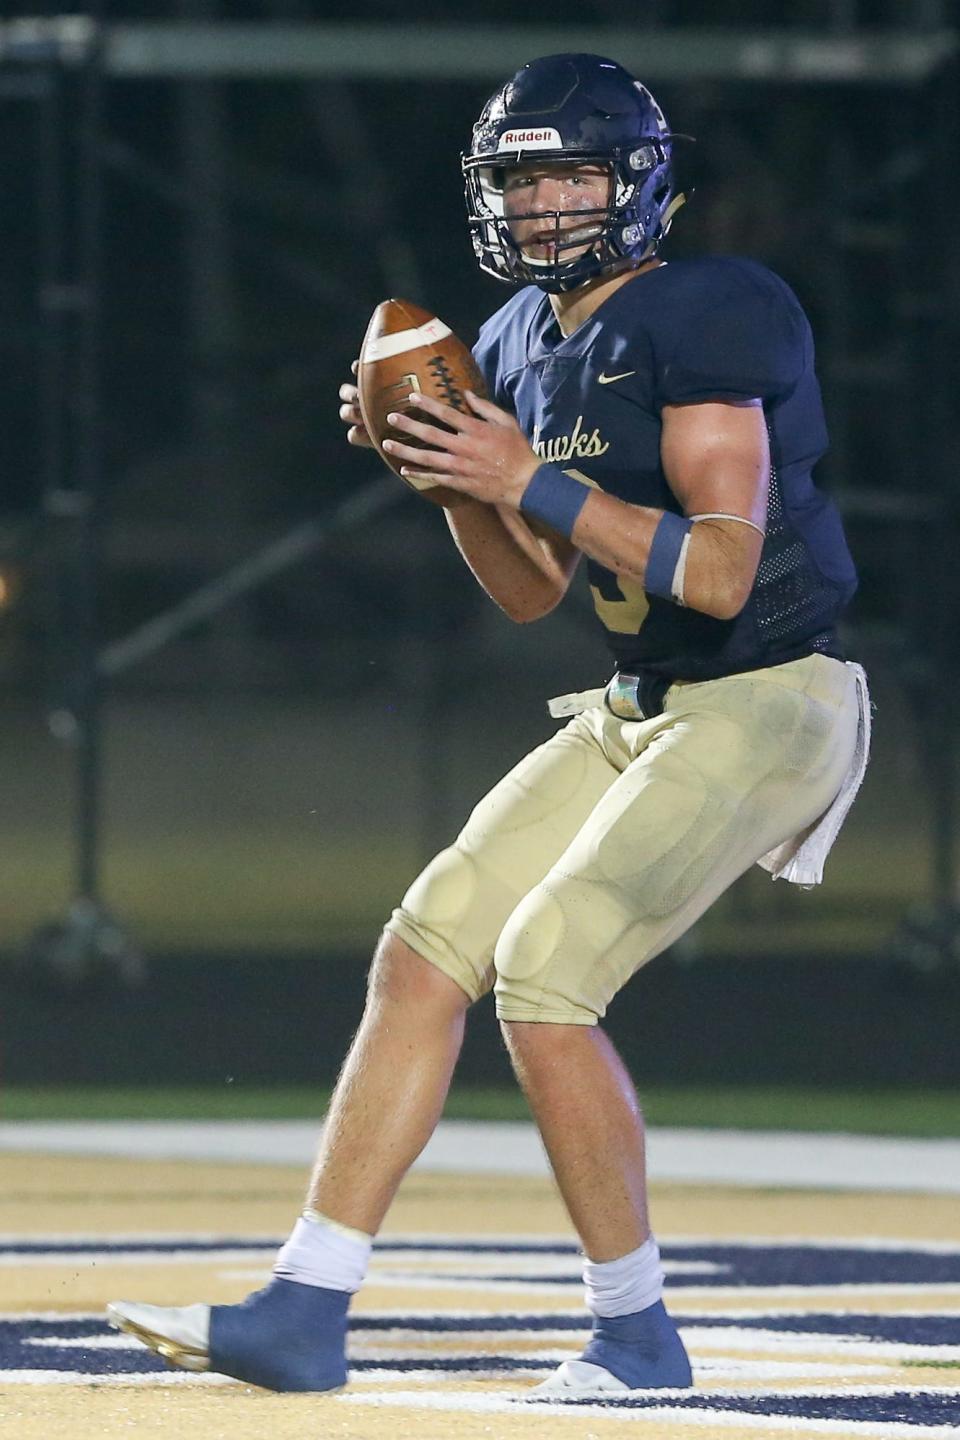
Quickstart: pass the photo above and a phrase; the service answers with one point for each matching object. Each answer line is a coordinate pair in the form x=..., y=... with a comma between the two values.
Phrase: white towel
x=801, y=859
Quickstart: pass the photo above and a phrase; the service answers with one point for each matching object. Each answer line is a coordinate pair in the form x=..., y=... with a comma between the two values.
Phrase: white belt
x=563, y=706
x=621, y=696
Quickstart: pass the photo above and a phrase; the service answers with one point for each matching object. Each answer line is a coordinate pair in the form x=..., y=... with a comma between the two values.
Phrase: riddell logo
x=545, y=139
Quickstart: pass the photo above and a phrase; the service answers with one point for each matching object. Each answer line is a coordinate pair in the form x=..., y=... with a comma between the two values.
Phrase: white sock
x=624, y=1286
x=324, y=1253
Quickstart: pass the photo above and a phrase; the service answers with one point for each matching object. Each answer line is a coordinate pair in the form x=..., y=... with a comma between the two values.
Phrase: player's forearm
x=525, y=575
x=721, y=561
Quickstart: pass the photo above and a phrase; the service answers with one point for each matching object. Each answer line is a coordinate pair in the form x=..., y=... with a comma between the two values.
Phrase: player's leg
x=588, y=1113
x=589, y=1117
x=730, y=772
x=436, y=957
x=593, y=1132
x=392, y=1087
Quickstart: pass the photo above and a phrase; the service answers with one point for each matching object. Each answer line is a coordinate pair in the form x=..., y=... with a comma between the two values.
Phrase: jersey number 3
x=621, y=605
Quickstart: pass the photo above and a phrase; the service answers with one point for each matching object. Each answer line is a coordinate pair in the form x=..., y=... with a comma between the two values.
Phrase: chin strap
x=666, y=221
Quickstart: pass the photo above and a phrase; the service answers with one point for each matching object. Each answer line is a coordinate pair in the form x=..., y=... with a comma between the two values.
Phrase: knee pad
x=435, y=919
x=443, y=893
x=533, y=983
x=530, y=938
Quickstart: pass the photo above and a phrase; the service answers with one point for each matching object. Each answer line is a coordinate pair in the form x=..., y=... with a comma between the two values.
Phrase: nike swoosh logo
x=609, y=379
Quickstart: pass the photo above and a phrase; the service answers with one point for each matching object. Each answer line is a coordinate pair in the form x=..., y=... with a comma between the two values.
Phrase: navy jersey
x=713, y=328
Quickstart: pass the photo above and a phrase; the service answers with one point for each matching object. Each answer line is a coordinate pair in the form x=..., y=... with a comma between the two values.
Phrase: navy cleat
x=285, y=1337
x=642, y=1351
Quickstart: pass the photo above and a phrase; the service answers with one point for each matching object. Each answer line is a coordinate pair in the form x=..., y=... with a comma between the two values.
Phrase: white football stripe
x=86, y=1258
x=722, y=1339
x=383, y=346
x=505, y=1404
x=85, y=1342
x=434, y=1377
x=820, y=1297
x=84, y=1378
x=536, y=1265
x=750, y=1370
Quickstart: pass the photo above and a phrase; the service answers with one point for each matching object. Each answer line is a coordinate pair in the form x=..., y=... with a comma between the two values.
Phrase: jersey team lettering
x=577, y=444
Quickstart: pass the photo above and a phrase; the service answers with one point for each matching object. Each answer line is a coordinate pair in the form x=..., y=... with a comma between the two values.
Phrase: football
x=407, y=349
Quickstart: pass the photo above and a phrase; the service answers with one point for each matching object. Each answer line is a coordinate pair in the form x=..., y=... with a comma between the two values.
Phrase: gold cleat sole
x=182, y=1357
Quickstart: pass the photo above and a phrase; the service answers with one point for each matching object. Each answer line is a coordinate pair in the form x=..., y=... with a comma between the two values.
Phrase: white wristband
x=680, y=570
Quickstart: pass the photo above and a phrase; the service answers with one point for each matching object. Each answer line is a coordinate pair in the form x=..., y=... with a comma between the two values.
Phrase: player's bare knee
x=535, y=1040
x=399, y=976
x=539, y=1052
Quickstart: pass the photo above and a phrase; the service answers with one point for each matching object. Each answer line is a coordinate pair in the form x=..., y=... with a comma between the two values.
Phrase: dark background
x=184, y=279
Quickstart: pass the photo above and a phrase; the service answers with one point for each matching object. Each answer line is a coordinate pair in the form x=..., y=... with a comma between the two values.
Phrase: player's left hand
x=488, y=456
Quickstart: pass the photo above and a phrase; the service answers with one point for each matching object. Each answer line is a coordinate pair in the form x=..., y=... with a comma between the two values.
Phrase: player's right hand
x=350, y=413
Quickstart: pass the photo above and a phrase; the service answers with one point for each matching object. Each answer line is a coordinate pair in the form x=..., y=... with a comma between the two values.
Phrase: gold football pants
x=606, y=843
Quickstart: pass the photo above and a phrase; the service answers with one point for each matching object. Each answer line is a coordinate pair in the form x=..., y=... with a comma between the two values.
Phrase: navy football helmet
x=586, y=110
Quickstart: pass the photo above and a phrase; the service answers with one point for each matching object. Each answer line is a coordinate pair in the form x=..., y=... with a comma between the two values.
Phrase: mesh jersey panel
x=790, y=596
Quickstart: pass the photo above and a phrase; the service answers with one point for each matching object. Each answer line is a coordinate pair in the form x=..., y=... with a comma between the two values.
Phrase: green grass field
x=927, y=1113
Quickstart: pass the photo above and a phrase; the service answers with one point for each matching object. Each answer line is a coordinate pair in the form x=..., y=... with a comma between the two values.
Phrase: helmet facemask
x=564, y=236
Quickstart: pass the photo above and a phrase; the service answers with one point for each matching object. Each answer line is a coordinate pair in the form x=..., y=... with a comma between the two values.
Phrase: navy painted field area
x=840, y=1337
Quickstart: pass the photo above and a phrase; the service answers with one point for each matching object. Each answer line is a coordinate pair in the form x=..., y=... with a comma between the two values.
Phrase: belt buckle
x=622, y=697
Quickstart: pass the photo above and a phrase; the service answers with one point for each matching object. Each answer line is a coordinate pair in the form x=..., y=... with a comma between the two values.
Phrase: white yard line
x=665, y=1418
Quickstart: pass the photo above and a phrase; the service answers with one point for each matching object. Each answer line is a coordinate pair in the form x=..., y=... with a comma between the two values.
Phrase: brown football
x=407, y=349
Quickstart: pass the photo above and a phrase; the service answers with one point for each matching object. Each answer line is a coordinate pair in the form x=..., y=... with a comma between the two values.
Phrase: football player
x=661, y=419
